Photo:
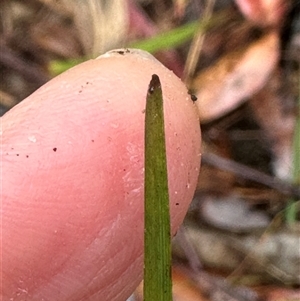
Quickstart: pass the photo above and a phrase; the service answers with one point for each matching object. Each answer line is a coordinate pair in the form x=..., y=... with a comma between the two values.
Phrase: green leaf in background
x=179, y=35
x=56, y=67
x=169, y=39
x=166, y=40
x=157, y=240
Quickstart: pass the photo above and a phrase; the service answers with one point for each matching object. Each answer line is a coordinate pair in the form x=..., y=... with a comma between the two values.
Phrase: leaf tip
x=154, y=84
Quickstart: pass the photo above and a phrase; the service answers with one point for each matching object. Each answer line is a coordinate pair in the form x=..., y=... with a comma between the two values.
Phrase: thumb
x=72, y=187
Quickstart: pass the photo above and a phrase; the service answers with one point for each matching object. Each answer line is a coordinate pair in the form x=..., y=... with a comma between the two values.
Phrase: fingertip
x=73, y=209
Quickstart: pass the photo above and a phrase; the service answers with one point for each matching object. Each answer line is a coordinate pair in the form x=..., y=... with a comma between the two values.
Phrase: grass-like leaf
x=56, y=67
x=169, y=39
x=157, y=249
x=179, y=35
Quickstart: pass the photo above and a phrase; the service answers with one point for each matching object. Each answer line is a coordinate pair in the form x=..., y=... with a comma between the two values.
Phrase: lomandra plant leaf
x=157, y=239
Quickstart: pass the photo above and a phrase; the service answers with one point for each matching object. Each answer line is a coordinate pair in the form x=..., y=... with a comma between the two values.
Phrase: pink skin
x=72, y=179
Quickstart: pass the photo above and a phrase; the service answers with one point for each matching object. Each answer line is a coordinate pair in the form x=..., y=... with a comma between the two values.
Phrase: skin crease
x=72, y=179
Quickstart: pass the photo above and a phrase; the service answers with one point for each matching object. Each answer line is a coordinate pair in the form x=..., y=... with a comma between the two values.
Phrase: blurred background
x=241, y=59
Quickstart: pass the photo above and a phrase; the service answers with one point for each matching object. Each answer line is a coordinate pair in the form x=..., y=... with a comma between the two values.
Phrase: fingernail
x=129, y=51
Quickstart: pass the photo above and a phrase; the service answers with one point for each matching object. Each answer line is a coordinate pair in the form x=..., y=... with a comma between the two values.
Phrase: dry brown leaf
x=283, y=294
x=235, y=77
x=264, y=12
x=7, y=100
x=183, y=288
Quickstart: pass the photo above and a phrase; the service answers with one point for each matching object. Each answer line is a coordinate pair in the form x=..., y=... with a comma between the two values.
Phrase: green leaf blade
x=157, y=241
x=167, y=40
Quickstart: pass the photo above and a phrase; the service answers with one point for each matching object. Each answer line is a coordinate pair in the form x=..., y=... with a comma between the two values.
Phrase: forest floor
x=241, y=59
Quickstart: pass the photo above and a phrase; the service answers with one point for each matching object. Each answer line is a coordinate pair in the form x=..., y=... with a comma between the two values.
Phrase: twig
x=196, y=46
x=251, y=174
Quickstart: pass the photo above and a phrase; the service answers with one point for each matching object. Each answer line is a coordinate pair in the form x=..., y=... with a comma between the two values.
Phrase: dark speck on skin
x=93, y=140
x=55, y=149
x=177, y=204
x=18, y=155
x=193, y=96
x=27, y=156
x=122, y=52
